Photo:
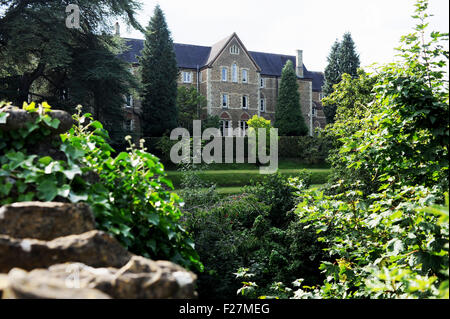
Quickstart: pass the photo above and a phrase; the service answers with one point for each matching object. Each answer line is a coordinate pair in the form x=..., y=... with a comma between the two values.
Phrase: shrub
x=254, y=230
x=127, y=192
x=223, y=242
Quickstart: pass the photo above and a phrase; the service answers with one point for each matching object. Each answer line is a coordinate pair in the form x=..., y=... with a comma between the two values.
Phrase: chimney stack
x=299, y=63
x=117, y=27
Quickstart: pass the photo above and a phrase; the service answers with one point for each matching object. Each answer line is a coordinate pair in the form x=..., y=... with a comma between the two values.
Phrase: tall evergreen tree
x=288, y=117
x=348, y=58
x=332, y=71
x=64, y=66
x=332, y=77
x=159, y=73
x=342, y=59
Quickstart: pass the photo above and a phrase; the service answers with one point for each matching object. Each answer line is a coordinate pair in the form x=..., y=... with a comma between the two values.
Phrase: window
x=321, y=96
x=129, y=125
x=129, y=100
x=245, y=102
x=224, y=74
x=225, y=100
x=244, y=76
x=234, y=73
x=243, y=127
x=187, y=77
x=262, y=105
x=314, y=111
x=234, y=49
x=262, y=84
x=226, y=128
x=64, y=94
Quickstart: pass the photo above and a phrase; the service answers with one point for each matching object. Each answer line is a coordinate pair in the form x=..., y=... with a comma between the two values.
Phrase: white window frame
x=234, y=73
x=243, y=128
x=224, y=69
x=225, y=98
x=226, y=127
x=129, y=125
x=234, y=49
x=262, y=104
x=187, y=77
x=130, y=96
x=262, y=83
x=246, y=104
x=245, y=78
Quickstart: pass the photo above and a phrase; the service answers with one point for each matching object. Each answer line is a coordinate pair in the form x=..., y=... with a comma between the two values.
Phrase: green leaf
x=47, y=189
x=70, y=173
x=45, y=160
x=153, y=219
x=3, y=117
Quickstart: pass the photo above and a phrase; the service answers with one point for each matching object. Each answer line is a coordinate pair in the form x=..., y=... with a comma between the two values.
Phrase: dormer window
x=234, y=49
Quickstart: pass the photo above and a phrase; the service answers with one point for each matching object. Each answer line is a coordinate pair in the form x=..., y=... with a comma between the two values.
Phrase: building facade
x=237, y=83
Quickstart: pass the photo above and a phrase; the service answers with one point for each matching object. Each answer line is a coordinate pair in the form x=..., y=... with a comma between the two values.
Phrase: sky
x=284, y=26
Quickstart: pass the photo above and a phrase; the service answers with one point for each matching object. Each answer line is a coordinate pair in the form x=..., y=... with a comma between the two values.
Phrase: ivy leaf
x=75, y=198
x=3, y=117
x=70, y=173
x=47, y=190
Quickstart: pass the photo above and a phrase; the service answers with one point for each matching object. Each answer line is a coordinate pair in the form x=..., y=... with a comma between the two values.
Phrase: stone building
x=237, y=83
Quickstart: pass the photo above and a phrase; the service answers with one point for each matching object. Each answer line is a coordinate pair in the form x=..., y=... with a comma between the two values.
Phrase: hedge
x=305, y=149
x=226, y=178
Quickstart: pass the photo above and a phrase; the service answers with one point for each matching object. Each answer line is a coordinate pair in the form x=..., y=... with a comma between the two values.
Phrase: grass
x=242, y=177
x=234, y=190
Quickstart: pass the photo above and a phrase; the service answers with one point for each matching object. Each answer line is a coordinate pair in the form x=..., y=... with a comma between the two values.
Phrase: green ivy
x=128, y=192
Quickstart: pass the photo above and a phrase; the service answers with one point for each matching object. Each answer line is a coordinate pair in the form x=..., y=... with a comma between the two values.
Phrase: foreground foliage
x=384, y=219
x=128, y=192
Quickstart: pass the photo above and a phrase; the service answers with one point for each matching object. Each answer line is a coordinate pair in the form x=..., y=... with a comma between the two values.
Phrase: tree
x=189, y=104
x=332, y=77
x=159, y=73
x=342, y=59
x=65, y=66
x=288, y=118
x=348, y=58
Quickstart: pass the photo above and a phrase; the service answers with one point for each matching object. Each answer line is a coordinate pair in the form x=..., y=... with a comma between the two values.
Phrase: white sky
x=283, y=26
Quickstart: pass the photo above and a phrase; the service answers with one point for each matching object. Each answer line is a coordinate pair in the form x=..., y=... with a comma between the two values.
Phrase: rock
x=94, y=248
x=23, y=285
x=18, y=118
x=3, y=283
x=140, y=278
x=45, y=221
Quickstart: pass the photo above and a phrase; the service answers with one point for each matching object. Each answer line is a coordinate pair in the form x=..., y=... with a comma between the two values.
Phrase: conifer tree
x=342, y=59
x=288, y=117
x=348, y=58
x=159, y=74
x=63, y=66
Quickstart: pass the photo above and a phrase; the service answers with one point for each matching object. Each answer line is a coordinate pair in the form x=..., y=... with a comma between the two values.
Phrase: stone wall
x=53, y=250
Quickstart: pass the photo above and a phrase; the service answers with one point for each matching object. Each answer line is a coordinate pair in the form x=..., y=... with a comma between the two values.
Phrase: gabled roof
x=218, y=48
x=193, y=56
